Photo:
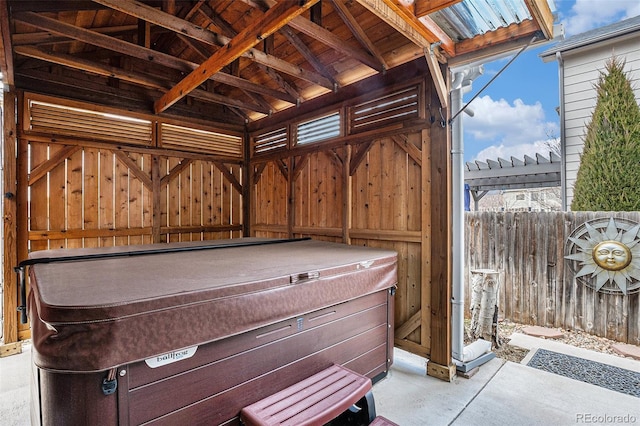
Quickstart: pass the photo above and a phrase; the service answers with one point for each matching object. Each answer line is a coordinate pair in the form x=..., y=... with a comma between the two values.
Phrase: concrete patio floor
x=501, y=393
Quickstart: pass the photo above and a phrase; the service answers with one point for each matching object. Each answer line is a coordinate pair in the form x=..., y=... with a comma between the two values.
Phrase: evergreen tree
x=609, y=174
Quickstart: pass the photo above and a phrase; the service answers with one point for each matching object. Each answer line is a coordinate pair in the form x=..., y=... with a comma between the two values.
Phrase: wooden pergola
x=136, y=122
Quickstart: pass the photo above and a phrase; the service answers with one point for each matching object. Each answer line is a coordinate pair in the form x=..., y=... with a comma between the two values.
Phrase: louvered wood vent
x=319, y=129
x=270, y=141
x=190, y=139
x=398, y=106
x=76, y=122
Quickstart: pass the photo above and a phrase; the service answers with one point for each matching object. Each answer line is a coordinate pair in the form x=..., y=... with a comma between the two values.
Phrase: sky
x=516, y=115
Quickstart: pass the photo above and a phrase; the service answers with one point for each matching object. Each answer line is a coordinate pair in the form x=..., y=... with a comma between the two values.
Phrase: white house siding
x=581, y=72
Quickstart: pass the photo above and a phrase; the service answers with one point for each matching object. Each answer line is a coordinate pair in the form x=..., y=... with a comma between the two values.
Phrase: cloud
x=508, y=127
x=585, y=15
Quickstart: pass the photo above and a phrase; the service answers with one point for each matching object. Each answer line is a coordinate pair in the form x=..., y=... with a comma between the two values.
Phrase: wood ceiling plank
x=273, y=20
x=404, y=21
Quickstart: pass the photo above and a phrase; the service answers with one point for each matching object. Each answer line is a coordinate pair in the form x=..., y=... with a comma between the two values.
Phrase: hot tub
x=190, y=333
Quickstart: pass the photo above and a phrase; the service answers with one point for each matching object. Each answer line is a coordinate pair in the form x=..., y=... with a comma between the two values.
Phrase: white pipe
x=563, y=137
x=460, y=85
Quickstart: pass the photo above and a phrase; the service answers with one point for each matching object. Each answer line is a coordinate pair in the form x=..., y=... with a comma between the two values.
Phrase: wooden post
x=156, y=190
x=347, y=196
x=10, y=197
x=440, y=362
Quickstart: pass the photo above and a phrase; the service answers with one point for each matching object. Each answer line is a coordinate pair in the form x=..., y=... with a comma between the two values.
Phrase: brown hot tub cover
x=92, y=314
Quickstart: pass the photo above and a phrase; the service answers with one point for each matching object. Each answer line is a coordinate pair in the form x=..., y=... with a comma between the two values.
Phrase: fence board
x=536, y=286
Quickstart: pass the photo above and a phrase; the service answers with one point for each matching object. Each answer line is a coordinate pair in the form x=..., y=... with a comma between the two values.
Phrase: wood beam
x=357, y=31
x=6, y=51
x=436, y=76
x=327, y=37
x=425, y=7
x=500, y=41
x=436, y=292
x=162, y=19
x=129, y=76
x=296, y=42
x=209, y=15
x=11, y=218
x=186, y=28
x=140, y=52
x=543, y=16
x=404, y=21
x=273, y=20
x=48, y=38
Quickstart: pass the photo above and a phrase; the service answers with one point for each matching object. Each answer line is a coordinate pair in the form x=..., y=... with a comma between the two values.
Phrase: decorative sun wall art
x=605, y=255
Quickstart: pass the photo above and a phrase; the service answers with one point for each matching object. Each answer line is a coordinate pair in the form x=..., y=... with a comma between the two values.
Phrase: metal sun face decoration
x=605, y=255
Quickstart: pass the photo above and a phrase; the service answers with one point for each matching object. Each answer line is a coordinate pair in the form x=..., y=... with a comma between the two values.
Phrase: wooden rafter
x=327, y=37
x=162, y=19
x=543, y=16
x=357, y=31
x=129, y=76
x=6, y=57
x=48, y=38
x=211, y=18
x=140, y=52
x=404, y=21
x=272, y=21
x=296, y=42
x=497, y=42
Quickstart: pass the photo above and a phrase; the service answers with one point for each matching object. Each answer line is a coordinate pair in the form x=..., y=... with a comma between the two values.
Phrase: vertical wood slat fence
x=537, y=286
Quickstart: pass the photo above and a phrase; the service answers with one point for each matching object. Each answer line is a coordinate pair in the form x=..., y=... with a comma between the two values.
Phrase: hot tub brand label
x=171, y=357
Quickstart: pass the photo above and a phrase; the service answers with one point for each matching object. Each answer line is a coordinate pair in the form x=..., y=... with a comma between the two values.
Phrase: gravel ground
x=571, y=337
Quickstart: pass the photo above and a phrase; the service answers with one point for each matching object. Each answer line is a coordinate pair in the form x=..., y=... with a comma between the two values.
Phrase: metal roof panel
x=471, y=18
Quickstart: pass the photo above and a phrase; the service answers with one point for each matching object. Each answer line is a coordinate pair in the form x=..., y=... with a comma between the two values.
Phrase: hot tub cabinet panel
x=192, y=335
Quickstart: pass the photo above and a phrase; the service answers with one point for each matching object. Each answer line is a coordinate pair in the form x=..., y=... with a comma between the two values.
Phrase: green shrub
x=609, y=174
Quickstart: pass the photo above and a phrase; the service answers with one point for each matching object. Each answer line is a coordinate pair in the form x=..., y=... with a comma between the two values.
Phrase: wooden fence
x=537, y=286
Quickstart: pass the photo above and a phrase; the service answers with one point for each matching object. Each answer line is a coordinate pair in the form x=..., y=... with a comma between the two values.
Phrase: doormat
x=592, y=372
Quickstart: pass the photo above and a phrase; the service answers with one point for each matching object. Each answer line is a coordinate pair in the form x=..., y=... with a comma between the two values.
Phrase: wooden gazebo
x=131, y=122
